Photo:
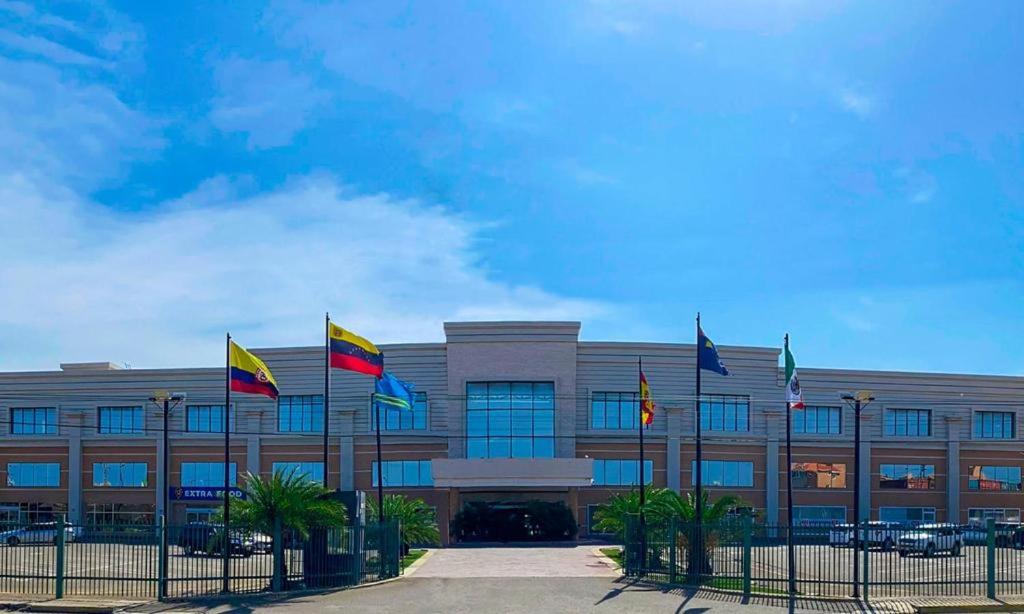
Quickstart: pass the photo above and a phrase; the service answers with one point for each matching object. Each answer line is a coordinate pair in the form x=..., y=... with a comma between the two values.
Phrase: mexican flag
x=794, y=396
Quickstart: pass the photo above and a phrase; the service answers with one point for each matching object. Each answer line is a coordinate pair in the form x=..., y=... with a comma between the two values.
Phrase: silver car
x=37, y=533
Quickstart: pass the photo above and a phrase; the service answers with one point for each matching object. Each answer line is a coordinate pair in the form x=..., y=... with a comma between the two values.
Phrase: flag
x=392, y=391
x=794, y=396
x=707, y=354
x=250, y=374
x=350, y=351
x=646, y=403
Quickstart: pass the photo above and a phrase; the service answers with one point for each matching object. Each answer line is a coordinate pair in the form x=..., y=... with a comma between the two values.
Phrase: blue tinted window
x=621, y=472
x=120, y=475
x=721, y=412
x=300, y=413
x=820, y=420
x=121, y=420
x=396, y=419
x=510, y=420
x=404, y=474
x=313, y=472
x=206, y=419
x=33, y=475
x=33, y=421
x=908, y=422
x=994, y=425
x=614, y=410
x=207, y=474
x=994, y=478
x=738, y=474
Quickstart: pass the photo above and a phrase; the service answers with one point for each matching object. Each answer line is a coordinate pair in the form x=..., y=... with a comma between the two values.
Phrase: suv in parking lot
x=206, y=538
x=930, y=539
x=37, y=533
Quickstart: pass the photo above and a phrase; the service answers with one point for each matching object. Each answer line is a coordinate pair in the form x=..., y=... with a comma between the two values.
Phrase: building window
x=907, y=515
x=614, y=410
x=301, y=413
x=120, y=515
x=33, y=420
x=121, y=420
x=724, y=473
x=120, y=475
x=24, y=513
x=994, y=424
x=818, y=515
x=906, y=477
x=818, y=420
x=614, y=472
x=33, y=475
x=994, y=478
x=207, y=474
x=199, y=515
x=395, y=419
x=405, y=473
x=207, y=419
x=981, y=515
x=311, y=472
x=818, y=475
x=908, y=422
x=720, y=412
x=510, y=420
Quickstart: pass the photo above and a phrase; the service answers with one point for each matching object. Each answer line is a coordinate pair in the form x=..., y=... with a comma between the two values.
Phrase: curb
x=607, y=560
x=78, y=607
x=980, y=607
x=412, y=569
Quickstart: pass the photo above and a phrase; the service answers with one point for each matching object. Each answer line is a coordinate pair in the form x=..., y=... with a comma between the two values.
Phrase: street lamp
x=860, y=399
x=168, y=400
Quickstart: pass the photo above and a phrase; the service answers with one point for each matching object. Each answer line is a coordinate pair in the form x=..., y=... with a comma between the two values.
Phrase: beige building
x=511, y=412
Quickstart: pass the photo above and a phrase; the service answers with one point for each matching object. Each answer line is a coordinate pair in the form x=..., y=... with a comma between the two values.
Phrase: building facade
x=515, y=411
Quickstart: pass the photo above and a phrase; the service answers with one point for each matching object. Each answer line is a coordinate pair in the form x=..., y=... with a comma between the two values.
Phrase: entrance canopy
x=512, y=472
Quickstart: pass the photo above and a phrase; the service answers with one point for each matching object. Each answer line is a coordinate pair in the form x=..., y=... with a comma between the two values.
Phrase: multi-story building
x=517, y=411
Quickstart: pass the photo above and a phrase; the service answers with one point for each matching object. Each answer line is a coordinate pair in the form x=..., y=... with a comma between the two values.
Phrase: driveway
x=525, y=562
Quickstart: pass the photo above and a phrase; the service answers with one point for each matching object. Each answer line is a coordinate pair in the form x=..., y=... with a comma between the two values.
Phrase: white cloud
x=266, y=100
x=857, y=103
x=84, y=283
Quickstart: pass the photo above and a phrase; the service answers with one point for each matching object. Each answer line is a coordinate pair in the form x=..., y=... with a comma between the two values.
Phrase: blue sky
x=847, y=172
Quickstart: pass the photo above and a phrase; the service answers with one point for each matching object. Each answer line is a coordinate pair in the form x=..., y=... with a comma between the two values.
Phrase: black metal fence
x=145, y=562
x=872, y=561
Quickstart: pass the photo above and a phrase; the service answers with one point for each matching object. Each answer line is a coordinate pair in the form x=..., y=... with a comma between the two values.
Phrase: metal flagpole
x=643, y=519
x=789, y=488
x=380, y=465
x=327, y=388
x=225, y=587
x=699, y=478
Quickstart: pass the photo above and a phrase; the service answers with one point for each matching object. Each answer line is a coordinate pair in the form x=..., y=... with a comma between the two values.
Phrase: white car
x=37, y=533
x=882, y=533
x=840, y=535
x=262, y=543
x=930, y=539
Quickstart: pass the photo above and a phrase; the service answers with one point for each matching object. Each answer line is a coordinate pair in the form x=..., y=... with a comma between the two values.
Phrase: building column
x=953, y=481
x=864, y=476
x=347, y=446
x=252, y=454
x=673, y=449
x=75, y=515
x=771, y=481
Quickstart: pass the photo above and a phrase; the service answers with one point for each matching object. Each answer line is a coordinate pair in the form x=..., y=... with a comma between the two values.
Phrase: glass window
x=312, y=472
x=994, y=478
x=510, y=420
x=120, y=475
x=121, y=420
x=199, y=515
x=33, y=420
x=739, y=474
x=818, y=515
x=207, y=474
x=614, y=410
x=404, y=473
x=981, y=515
x=907, y=515
x=618, y=472
x=207, y=419
x=819, y=420
x=120, y=514
x=721, y=412
x=300, y=413
x=395, y=419
x=906, y=477
x=994, y=425
x=33, y=475
x=818, y=475
x=908, y=422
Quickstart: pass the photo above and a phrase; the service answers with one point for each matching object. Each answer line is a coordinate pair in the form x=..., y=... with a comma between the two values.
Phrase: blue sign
x=202, y=493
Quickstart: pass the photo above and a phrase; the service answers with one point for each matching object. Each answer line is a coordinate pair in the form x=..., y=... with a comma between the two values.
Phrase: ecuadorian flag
x=250, y=374
x=352, y=352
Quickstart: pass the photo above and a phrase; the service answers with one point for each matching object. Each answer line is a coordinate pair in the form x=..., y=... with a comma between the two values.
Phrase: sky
x=849, y=173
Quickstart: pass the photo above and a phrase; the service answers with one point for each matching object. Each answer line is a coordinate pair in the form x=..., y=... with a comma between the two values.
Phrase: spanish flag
x=646, y=403
x=250, y=374
x=350, y=351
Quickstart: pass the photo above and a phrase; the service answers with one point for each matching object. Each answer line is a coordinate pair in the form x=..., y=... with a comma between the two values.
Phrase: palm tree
x=611, y=517
x=417, y=520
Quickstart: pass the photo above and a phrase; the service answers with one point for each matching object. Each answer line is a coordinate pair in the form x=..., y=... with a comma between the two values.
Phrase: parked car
x=977, y=534
x=840, y=535
x=37, y=533
x=930, y=539
x=882, y=533
x=262, y=543
x=196, y=539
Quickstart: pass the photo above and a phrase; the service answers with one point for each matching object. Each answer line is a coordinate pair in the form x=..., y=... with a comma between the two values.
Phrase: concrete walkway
x=524, y=562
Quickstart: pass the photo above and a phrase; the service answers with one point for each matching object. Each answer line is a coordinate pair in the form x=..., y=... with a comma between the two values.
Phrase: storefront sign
x=202, y=493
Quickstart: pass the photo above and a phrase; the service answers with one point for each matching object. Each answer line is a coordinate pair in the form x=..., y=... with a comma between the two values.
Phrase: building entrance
x=514, y=520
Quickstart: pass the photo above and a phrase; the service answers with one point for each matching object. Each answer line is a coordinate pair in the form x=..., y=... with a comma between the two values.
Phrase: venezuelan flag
x=249, y=374
x=646, y=404
x=350, y=351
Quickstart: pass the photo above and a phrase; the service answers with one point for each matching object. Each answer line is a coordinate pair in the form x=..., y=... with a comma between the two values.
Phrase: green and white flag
x=794, y=396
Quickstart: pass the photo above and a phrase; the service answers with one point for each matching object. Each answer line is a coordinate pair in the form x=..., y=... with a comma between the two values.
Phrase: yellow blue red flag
x=646, y=403
x=250, y=374
x=354, y=353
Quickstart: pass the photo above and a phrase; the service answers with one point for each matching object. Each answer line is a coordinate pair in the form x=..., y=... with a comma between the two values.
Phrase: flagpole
x=327, y=388
x=226, y=554
x=789, y=486
x=380, y=464
x=699, y=503
x=640, y=421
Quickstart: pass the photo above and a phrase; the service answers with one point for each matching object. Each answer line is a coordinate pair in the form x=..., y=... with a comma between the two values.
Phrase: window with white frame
x=818, y=515
x=907, y=515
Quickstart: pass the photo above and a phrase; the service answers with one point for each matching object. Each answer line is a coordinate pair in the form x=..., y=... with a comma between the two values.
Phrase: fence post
x=866, y=545
x=161, y=586
x=59, y=558
x=277, y=550
x=990, y=567
x=748, y=530
x=673, y=529
x=357, y=553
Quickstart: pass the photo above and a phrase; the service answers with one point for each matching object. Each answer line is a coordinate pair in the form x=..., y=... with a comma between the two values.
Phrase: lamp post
x=860, y=399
